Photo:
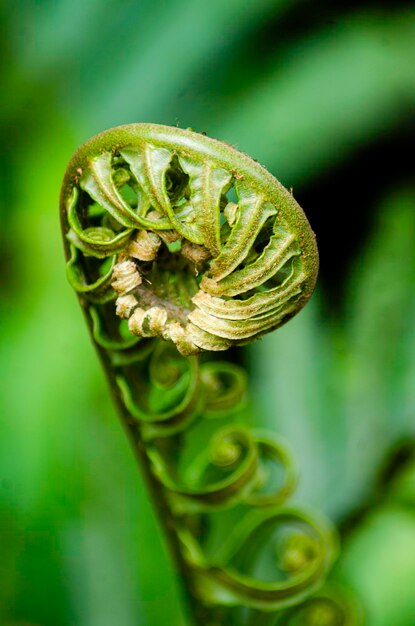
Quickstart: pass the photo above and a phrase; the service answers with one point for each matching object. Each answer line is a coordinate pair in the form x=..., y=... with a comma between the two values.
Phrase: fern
x=180, y=247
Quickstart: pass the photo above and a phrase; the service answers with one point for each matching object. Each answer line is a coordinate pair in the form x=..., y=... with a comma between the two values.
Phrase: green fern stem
x=180, y=247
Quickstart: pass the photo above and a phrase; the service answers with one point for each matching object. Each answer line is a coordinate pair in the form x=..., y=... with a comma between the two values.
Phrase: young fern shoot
x=180, y=247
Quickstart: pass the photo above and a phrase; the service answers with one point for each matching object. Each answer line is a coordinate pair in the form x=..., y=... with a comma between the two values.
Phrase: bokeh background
x=323, y=94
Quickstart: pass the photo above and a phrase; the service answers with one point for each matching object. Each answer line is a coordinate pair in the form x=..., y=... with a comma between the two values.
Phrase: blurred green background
x=322, y=94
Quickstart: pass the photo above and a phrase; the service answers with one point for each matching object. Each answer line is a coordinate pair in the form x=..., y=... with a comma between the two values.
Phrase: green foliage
x=79, y=542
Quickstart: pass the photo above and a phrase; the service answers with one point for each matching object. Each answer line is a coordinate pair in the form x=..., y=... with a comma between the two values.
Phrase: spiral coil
x=209, y=250
x=174, y=236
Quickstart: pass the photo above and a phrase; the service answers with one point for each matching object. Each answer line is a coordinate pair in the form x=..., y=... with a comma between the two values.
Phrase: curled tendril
x=173, y=236
x=234, y=573
x=232, y=453
x=160, y=391
x=207, y=249
x=225, y=387
x=226, y=472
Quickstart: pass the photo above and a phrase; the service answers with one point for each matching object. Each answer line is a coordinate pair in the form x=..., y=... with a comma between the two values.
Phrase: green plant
x=179, y=246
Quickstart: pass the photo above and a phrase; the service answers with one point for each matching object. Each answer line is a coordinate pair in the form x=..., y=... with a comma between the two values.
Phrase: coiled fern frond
x=208, y=250
x=179, y=246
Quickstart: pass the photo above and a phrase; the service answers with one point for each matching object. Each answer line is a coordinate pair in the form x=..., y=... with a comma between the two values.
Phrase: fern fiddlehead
x=180, y=247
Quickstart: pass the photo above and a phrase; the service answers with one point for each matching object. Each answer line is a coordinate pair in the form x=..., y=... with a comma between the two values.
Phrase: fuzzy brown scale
x=208, y=249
